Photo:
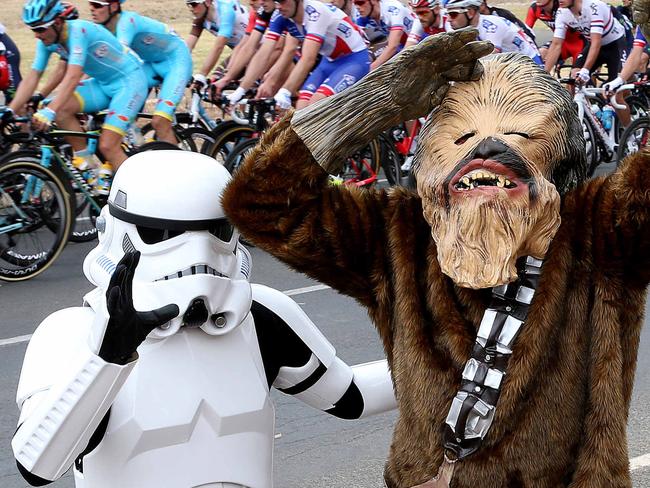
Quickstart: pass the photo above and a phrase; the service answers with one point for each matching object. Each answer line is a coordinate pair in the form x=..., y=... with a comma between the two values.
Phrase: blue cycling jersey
x=92, y=47
x=153, y=41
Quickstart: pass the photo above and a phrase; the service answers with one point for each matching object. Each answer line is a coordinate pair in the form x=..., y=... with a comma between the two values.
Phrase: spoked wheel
x=593, y=157
x=239, y=153
x=33, y=199
x=391, y=163
x=361, y=168
x=634, y=138
x=228, y=135
x=195, y=139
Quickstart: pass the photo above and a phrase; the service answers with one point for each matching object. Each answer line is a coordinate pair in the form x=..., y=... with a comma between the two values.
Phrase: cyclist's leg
x=614, y=56
x=88, y=97
x=127, y=98
x=347, y=71
x=176, y=73
x=313, y=81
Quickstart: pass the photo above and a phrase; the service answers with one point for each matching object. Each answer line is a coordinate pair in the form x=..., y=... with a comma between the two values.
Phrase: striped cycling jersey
x=323, y=23
x=595, y=18
x=506, y=36
x=639, y=39
x=393, y=16
x=92, y=47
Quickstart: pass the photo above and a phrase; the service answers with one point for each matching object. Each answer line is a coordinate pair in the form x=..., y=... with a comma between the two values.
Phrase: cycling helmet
x=37, y=12
x=70, y=12
x=424, y=3
x=463, y=4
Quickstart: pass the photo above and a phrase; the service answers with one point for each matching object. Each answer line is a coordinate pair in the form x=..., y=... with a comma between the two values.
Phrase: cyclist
x=429, y=20
x=257, y=29
x=166, y=57
x=632, y=64
x=505, y=35
x=606, y=37
x=545, y=11
x=225, y=19
x=486, y=9
x=117, y=81
x=12, y=55
x=384, y=20
x=324, y=30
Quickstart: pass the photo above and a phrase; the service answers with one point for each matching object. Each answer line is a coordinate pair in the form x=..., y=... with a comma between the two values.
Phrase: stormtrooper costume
x=191, y=407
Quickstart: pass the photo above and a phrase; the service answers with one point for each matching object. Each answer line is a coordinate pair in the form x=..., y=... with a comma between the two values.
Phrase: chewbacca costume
x=561, y=417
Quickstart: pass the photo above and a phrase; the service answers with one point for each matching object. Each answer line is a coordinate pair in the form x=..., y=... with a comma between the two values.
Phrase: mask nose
x=196, y=314
x=488, y=148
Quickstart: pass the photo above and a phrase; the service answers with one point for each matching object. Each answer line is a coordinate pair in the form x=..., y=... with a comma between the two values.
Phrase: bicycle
x=35, y=218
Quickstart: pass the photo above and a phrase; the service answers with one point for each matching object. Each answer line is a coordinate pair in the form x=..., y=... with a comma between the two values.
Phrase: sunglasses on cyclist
x=455, y=13
x=97, y=5
x=360, y=2
x=193, y=2
x=39, y=29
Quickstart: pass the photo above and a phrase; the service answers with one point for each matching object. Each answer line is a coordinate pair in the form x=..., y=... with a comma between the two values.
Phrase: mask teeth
x=193, y=270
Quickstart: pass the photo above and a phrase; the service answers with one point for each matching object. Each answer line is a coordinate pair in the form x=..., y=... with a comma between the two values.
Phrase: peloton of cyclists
x=166, y=57
x=387, y=23
x=506, y=36
x=116, y=80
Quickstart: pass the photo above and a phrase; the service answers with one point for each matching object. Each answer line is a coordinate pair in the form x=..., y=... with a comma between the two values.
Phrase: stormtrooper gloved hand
x=127, y=328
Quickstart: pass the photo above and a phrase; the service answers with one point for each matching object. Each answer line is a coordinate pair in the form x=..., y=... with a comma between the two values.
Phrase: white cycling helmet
x=462, y=4
x=167, y=205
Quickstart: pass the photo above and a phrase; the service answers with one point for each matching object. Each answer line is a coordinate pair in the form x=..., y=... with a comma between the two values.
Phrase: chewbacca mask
x=492, y=163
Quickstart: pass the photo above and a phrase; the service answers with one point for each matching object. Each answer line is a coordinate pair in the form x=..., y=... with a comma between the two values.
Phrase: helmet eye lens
x=222, y=231
x=150, y=235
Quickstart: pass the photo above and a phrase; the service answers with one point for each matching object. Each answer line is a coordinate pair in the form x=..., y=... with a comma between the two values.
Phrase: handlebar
x=593, y=91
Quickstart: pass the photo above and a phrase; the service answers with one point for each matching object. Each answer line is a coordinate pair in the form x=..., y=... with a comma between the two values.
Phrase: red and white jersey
x=419, y=32
x=325, y=24
x=393, y=16
x=595, y=18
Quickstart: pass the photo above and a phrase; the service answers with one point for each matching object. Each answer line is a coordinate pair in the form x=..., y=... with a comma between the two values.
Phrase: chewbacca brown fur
x=562, y=413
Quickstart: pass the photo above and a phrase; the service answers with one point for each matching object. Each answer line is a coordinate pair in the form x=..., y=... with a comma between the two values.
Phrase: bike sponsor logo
x=517, y=42
x=346, y=82
x=101, y=51
x=489, y=26
x=344, y=29
x=312, y=13
x=393, y=10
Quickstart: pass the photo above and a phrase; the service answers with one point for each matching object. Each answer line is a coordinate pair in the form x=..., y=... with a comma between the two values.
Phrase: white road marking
x=306, y=289
x=638, y=462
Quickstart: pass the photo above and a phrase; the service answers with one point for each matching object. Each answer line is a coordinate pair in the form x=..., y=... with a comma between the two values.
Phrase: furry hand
x=127, y=328
x=641, y=16
x=421, y=74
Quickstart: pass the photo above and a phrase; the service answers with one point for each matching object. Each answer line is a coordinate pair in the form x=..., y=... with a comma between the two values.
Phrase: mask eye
x=150, y=235
x=463, y=139
x=521, y=134
x=222, y=230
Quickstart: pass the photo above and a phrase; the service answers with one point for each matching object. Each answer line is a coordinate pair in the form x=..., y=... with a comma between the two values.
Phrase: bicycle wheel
x=634, y=138
x=195, y=139
x=239, y=153
x=362, y=168
x=391, y=163
x=30, y=196
x=226, y=136
x=593, y=158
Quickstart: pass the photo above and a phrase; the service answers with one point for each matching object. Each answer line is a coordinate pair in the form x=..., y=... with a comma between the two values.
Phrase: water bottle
x=607, y=117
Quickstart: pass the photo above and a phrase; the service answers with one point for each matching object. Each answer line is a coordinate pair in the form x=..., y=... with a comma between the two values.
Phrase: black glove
x=127, y=328
x=35, y=101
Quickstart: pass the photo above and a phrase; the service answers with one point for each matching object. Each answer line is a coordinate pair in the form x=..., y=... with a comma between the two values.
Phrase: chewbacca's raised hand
x=421, y=73
x=641, y=16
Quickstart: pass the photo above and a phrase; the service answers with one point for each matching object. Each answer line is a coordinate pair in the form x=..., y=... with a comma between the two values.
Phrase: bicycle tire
x=591, y=147
x=391, y=163
x=226, y=136
x=634, y=138
x=17, y=263
x=198, y=140
x=362, y=168
x=239, y=153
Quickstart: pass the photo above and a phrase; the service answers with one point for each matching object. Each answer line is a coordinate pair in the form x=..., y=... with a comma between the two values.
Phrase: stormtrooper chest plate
x=195, y=411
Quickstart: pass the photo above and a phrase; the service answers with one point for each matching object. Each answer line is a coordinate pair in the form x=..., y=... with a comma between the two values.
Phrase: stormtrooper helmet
x=167, y=205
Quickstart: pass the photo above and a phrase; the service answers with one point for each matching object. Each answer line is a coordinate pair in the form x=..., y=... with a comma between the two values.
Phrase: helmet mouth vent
x=197, y=269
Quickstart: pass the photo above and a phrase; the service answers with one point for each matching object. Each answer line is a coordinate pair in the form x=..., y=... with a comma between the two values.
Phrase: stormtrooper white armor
x=190, y=408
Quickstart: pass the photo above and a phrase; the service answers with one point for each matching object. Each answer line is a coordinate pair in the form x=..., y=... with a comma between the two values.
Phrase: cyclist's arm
x=394, y=38
x=25, y=90
x=214, y=54
x=633, y=61
x=531, y=18
x=55, y=78
x=553, y=53
x=594, y=50
x=258, y=64
x=306, y=63
x=72, y=77
x=278, y=72
x=239, y=60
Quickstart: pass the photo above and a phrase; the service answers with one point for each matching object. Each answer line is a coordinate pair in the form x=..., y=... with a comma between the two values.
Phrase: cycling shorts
x=175, y=73
x=613, y=55
x=330, y=77
x=123, y=98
